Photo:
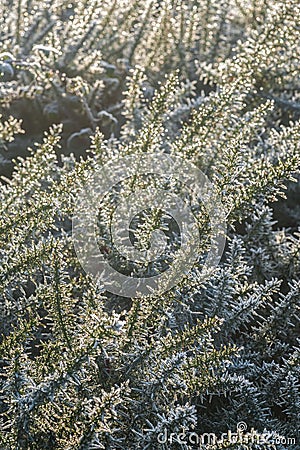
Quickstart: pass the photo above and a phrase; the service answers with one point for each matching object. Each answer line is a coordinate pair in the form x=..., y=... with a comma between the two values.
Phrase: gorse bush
x=217, y=85
x=67, y=62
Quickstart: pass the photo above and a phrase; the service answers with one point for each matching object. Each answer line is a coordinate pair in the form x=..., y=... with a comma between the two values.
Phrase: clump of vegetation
x=215, y=83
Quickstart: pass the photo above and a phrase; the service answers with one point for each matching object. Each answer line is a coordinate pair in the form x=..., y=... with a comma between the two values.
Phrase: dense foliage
x=84, y=83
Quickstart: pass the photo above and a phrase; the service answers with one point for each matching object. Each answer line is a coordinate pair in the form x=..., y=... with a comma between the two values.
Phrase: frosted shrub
x=211, y=83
